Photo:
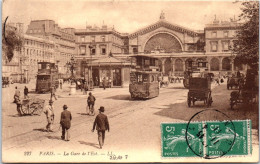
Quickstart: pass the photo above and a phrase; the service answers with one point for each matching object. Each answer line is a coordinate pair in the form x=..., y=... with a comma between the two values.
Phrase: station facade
x=177, y=48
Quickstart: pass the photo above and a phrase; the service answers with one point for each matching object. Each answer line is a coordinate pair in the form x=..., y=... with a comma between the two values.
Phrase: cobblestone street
x=135, y=125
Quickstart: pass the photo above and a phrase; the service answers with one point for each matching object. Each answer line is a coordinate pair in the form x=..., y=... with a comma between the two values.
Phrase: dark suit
x=65, y=121
x=101, y=124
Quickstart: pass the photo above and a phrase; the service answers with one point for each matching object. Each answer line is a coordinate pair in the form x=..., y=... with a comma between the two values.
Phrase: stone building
x=63, y=38
x=177, y=48
x=95, y=48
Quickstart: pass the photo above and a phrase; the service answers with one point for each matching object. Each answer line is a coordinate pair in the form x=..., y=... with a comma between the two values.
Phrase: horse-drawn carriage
x=234, y=82
x=199, y=90
x=32, y=106
x=248, y=90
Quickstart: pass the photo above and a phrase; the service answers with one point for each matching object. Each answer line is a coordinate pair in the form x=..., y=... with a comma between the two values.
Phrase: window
x=93, y=38
x=82, y=50
x=225, y=45
x=103, y=38
x=93, y=51
x=103, y=51
x=214, y=46
x=214, y=34
x=225, y=34
x=82, y=39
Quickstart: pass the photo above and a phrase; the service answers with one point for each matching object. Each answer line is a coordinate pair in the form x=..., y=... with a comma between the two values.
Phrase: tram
x=144, y=80
x=47, y=77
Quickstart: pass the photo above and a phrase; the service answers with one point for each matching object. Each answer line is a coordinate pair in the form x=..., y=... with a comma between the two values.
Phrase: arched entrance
x=163, y=42
x=214, y=64
x=189, y=64
x=178, y=65
x=226, y=64
x=167, y=66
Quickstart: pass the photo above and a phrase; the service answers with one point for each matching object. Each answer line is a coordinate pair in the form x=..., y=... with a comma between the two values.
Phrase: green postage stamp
x=207, y=139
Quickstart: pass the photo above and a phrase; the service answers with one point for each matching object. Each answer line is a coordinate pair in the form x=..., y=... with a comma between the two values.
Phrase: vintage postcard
x=130, y=81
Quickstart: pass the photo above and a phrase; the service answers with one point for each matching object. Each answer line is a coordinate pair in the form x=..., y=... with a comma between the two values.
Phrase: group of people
x=101, y=123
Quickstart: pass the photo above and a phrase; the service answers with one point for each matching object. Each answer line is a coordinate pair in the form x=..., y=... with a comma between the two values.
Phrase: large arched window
x=214, y=64
x=163, y=42
x=226, y=65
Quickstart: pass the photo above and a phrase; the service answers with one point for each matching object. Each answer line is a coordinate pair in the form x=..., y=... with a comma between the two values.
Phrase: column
x=173, y=65
x=220, y=64
x=122, y=77
x=163, y=65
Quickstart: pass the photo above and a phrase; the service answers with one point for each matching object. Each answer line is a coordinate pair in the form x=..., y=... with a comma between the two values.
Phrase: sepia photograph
x=130, y=81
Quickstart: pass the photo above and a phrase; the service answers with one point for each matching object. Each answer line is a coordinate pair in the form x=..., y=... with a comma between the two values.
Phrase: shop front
x=115, y=72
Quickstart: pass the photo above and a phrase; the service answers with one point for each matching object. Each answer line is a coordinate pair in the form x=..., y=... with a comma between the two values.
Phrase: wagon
x=199, y=90
x=233, y=82
x=248, y=91
x=32, y=106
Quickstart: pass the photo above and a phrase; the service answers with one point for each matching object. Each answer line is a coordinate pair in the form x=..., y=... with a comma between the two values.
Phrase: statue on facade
x=162, y=16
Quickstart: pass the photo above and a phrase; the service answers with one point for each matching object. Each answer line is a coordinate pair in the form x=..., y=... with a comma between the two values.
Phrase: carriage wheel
x=37, y=110
x=188, y=100
x=193, y=101
x=26, y=110
x=209, y=99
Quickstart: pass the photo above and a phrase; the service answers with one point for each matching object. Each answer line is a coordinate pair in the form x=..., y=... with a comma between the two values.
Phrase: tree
x=11, y=41
x=246, y=46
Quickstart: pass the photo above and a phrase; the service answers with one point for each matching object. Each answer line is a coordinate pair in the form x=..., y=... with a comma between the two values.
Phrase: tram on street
x=144, y=80
x=47, y=77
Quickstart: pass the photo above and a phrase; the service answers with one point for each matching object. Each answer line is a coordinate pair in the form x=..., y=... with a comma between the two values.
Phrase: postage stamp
x=206, y=139
x=175, y=136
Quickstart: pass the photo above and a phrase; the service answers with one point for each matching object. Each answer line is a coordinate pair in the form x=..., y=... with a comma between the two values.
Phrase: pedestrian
x=91, y=102
x=110, y=82
x=53, y=92
x=60, y=84
x=101, y=124
x=65, y=122
x=25, y=92
x=19, y=106
x=50, y=116
x=85, y=87
x=97, y=81
x=104, y=83
x=16, y=94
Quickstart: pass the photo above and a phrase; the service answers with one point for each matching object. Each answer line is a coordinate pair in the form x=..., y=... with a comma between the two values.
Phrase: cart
x=32, y=106
x=199, y=90
x=248, y=91
x=233, y=82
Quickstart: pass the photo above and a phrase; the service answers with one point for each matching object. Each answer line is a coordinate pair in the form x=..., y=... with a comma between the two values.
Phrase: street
x=135, y=124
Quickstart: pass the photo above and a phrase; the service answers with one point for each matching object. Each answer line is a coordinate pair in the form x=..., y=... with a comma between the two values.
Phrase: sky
x=125, y=16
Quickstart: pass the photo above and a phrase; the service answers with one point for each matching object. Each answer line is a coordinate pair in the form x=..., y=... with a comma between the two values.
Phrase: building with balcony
x=63, y=38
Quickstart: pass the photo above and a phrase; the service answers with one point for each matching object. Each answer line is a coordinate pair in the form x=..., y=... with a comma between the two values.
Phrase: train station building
x=177, y=48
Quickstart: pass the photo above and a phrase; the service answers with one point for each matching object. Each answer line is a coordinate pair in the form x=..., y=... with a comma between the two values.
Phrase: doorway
x=117, y=77
x=95, y=75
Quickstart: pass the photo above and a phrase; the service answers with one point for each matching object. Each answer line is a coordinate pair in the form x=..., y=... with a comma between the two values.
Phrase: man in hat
x=50, y=115
x=65, y=121
x=101, y=124
x=91, y=102
x=16, y=94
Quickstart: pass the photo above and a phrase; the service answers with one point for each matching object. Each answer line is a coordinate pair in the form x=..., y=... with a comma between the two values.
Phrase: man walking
x=91, y=102
x=65, y=121
x=19, y=106
x=25, y=92
x=50, y=116
x=16, y=95
x=53, y=92
x=101, y=124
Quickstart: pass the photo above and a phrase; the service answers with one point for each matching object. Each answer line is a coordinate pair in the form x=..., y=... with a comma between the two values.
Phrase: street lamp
x=90, y=76
x=71, y=67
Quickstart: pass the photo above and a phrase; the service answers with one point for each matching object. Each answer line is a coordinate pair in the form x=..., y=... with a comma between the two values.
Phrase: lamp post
x=71, y=66
x=90, y=75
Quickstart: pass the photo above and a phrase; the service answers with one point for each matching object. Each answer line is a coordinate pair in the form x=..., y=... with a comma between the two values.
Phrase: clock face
x=163, y=43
